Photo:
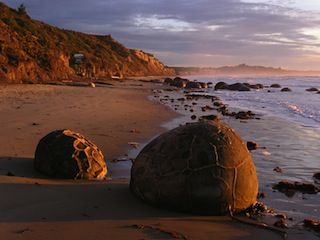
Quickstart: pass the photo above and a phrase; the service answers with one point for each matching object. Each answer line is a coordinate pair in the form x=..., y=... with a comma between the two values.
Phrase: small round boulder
x=67, y=154
x=202, y=168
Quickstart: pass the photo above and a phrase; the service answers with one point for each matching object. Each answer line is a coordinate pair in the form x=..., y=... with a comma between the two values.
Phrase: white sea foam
x=300, y=106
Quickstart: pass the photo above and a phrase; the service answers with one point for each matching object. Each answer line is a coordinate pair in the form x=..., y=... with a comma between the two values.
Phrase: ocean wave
x=295, y=108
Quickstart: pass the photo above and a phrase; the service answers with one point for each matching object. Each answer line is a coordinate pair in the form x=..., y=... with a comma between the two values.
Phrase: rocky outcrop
x=232, y=87
x=275, y=85
x=33, y=51
x=185, y=83
x=312, y=89
x=286, y=89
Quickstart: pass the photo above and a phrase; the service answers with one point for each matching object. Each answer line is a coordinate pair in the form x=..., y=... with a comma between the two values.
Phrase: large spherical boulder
x=67, y=154
x=202, y=168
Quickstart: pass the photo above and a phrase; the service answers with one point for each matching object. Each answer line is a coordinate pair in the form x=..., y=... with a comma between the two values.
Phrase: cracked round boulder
x=203, y=168
x=67, y=154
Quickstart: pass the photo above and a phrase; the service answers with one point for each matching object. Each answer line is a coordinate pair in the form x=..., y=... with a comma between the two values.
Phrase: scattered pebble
x=193, y=117
x=278, y=170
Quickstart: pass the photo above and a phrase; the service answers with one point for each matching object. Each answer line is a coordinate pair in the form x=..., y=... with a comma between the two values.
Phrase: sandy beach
x=35, y=207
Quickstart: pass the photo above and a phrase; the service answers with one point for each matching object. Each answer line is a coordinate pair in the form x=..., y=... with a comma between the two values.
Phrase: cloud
x=203, y=32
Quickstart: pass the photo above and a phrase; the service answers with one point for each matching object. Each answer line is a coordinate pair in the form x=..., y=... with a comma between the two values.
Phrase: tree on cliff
x=22, y=9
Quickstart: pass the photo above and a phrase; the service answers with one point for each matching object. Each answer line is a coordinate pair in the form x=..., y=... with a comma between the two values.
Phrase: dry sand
x=33, y=207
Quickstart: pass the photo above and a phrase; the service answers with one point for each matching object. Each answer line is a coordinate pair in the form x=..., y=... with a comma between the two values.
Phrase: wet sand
x=34, y=207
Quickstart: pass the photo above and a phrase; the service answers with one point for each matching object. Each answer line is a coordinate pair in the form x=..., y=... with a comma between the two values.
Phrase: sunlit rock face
x=32, y=51
x=67, y=154
x=202, y=168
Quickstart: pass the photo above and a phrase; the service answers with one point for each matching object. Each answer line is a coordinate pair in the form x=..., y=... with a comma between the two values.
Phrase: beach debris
x=286, y=89
x=251, y=145
x=172, y=234
x=275, y=85
x=277, y=169
x=35, y=124
x=257, y=209
x=252, y=215
x=312, y=224
x=312, y=89
x=287, y=187
x=67, y=154
x=134, y=144
x=200, y=167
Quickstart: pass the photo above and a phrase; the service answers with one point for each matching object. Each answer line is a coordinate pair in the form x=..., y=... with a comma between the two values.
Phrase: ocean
x=298, y=106
x=288, y=132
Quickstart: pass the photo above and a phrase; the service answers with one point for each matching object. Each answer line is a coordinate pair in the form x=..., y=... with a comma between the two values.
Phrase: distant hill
x=31, y=50
x=242, y=69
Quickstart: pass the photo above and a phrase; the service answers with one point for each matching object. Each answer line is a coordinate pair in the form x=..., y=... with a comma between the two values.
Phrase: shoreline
x=34, y=207
x=280, y=144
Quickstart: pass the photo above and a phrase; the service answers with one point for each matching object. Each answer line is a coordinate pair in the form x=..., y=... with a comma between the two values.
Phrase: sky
x=278, y=33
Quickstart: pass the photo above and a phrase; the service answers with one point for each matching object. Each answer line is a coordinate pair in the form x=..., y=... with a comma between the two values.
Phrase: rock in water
x=67, y=154
x=251, y=145
x=202, y=168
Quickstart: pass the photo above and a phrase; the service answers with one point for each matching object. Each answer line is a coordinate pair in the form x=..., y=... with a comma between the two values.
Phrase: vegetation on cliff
x=31, y=50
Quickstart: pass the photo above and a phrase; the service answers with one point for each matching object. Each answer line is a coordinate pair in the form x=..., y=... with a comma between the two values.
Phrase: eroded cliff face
x=34, y=51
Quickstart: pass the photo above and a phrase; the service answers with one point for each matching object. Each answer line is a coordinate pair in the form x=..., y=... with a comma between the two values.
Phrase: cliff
x=31, y=50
